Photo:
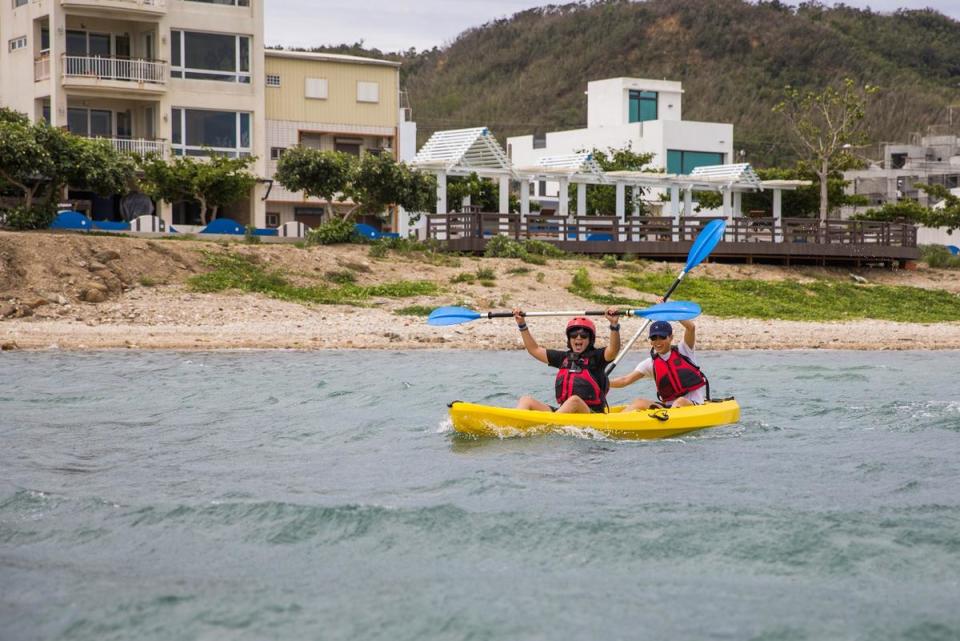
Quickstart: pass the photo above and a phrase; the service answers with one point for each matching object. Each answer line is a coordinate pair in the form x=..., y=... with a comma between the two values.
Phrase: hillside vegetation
x=529, y=72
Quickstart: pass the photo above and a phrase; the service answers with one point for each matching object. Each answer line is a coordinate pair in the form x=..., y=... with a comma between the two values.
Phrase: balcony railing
x=150, y=5
x=124, y=69
x=140, y=146
x=41, y=68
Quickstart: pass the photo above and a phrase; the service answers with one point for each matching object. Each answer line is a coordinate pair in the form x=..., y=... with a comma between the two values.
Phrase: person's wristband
x=522, y=328
x=615, y=328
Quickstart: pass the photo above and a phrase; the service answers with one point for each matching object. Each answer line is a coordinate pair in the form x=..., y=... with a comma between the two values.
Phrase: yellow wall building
x=329, y=102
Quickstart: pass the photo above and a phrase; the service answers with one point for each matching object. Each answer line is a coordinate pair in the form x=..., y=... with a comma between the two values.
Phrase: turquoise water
x=290, y=495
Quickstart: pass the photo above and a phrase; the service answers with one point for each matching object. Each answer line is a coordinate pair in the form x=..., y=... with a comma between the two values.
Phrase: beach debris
x=859, y=279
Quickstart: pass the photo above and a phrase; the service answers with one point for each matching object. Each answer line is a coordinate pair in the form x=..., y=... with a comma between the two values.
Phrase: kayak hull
x=484, y=420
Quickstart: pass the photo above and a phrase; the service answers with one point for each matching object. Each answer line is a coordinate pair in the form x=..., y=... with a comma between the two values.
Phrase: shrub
x=331, y=233
x=23, y=217
x=341, y=277
x=609, y=261
x=581, y=284
x=542, y=248
x=464, y=277
x=939, y=256
x=249, y=237
x=485, y=273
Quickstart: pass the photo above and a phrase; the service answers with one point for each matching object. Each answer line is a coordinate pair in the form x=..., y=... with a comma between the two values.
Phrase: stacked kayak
x=484, y=420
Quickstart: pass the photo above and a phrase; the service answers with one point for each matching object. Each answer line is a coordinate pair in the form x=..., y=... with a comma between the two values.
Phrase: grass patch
x=518, y=271
x=463, y=277
x=232, y=271
x=342, y=277
x=581, y=285
x=414, y=310
x=820, y=300
x=939, y=256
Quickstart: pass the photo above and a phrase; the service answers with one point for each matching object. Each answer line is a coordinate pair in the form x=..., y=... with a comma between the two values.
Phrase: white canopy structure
x=581, y=169
x=461, y=152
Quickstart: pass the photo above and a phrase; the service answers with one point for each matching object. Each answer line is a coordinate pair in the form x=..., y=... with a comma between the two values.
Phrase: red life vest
x=676, y=376
x=574, y=377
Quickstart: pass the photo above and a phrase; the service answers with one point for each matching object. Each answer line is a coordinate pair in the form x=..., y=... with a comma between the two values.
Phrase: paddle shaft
x=626, y=312
x=643, y=328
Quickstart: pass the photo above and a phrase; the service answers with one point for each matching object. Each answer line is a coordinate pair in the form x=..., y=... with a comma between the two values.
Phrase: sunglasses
x=578, y=334
x=658, y=338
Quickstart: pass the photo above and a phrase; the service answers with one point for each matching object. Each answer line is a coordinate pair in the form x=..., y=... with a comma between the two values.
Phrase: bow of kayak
x=484, y=420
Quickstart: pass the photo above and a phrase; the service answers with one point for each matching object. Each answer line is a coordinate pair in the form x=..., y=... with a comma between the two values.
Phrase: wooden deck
x=793, y=241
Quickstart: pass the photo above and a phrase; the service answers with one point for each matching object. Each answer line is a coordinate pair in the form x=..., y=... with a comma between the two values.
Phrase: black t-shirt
x=596, y=365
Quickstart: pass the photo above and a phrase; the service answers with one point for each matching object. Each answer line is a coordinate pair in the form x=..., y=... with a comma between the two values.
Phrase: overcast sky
x=396, y=25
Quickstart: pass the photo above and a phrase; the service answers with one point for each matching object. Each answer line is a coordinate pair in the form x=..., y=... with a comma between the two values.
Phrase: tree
x=373, y=182
x=212, y=182
x=40, y=160
x=318, y=174
x=603, y=198
x=824, y=125
x=379, y=181
x=949, y=215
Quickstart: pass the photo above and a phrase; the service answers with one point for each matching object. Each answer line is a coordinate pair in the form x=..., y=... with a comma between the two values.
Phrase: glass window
x=196, y=130
x=19, y=3
x=77, y=121
x=101, y=123
x=683, y=162
x=44, y=39
x=643, y=105
x=175, y=48
x=210, y=56
x=273, y=80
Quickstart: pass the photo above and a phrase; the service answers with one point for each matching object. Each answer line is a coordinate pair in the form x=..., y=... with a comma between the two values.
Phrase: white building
x=165, y=76
x=645, y=115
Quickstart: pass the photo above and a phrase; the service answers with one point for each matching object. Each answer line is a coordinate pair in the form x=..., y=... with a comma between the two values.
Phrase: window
x=276, y=152
x=224, y=132
x=44, y=39
x=347, y=145
x=315, y=88
x=643, y=105
x=273, y=80
x=92, y=123
x=229, y=3
x=273, y=219
x=19, y=3
x=683, y=162
x=540, y=141
x=18, y=43
x=368, y=91
x=209, y=56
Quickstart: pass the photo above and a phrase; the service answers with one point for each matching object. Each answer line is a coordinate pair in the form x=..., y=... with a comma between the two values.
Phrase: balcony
x=118, y=8
x=41, y=68
x=115, y=73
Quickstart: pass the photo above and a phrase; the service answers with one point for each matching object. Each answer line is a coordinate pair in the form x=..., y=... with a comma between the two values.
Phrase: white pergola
x=580, y=169
x=461, y=152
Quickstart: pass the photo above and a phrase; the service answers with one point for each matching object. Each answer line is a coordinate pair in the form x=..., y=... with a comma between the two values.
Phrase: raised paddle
x=706, y=240
x=674, y=310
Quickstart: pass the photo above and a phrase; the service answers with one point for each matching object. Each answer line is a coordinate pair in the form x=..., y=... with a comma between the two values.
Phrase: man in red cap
x=673, y=368
x=581, y=383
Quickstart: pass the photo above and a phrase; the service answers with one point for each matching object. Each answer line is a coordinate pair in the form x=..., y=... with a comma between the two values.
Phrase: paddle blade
x=708, y=238
x=675, y=310
x=452, y=316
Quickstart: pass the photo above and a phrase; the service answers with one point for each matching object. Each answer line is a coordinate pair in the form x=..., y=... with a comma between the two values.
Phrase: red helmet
x=583, y=323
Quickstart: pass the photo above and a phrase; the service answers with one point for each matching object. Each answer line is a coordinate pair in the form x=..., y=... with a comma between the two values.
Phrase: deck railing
x=125, y=69
x=651, y=229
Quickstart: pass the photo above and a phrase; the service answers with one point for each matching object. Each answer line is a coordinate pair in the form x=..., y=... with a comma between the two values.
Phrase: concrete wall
x=608, y=101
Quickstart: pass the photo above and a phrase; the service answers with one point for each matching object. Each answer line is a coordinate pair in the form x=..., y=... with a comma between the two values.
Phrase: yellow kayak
x=484, y=420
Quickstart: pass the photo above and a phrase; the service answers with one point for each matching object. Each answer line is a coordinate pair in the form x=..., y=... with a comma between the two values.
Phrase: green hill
x=529, y=72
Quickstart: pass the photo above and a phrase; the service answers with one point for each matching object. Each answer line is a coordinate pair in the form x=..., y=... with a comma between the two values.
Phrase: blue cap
x=661, y=328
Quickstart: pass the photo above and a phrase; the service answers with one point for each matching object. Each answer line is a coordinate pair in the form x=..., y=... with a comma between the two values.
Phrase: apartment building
x=172, y=77
x=331, y=102
x=641, y=113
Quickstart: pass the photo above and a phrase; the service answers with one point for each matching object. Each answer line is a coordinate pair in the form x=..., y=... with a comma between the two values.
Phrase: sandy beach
x=73, y=292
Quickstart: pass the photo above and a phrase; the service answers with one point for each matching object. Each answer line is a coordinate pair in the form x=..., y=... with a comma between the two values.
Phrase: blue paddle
x=706, y=240
x=675, y=310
